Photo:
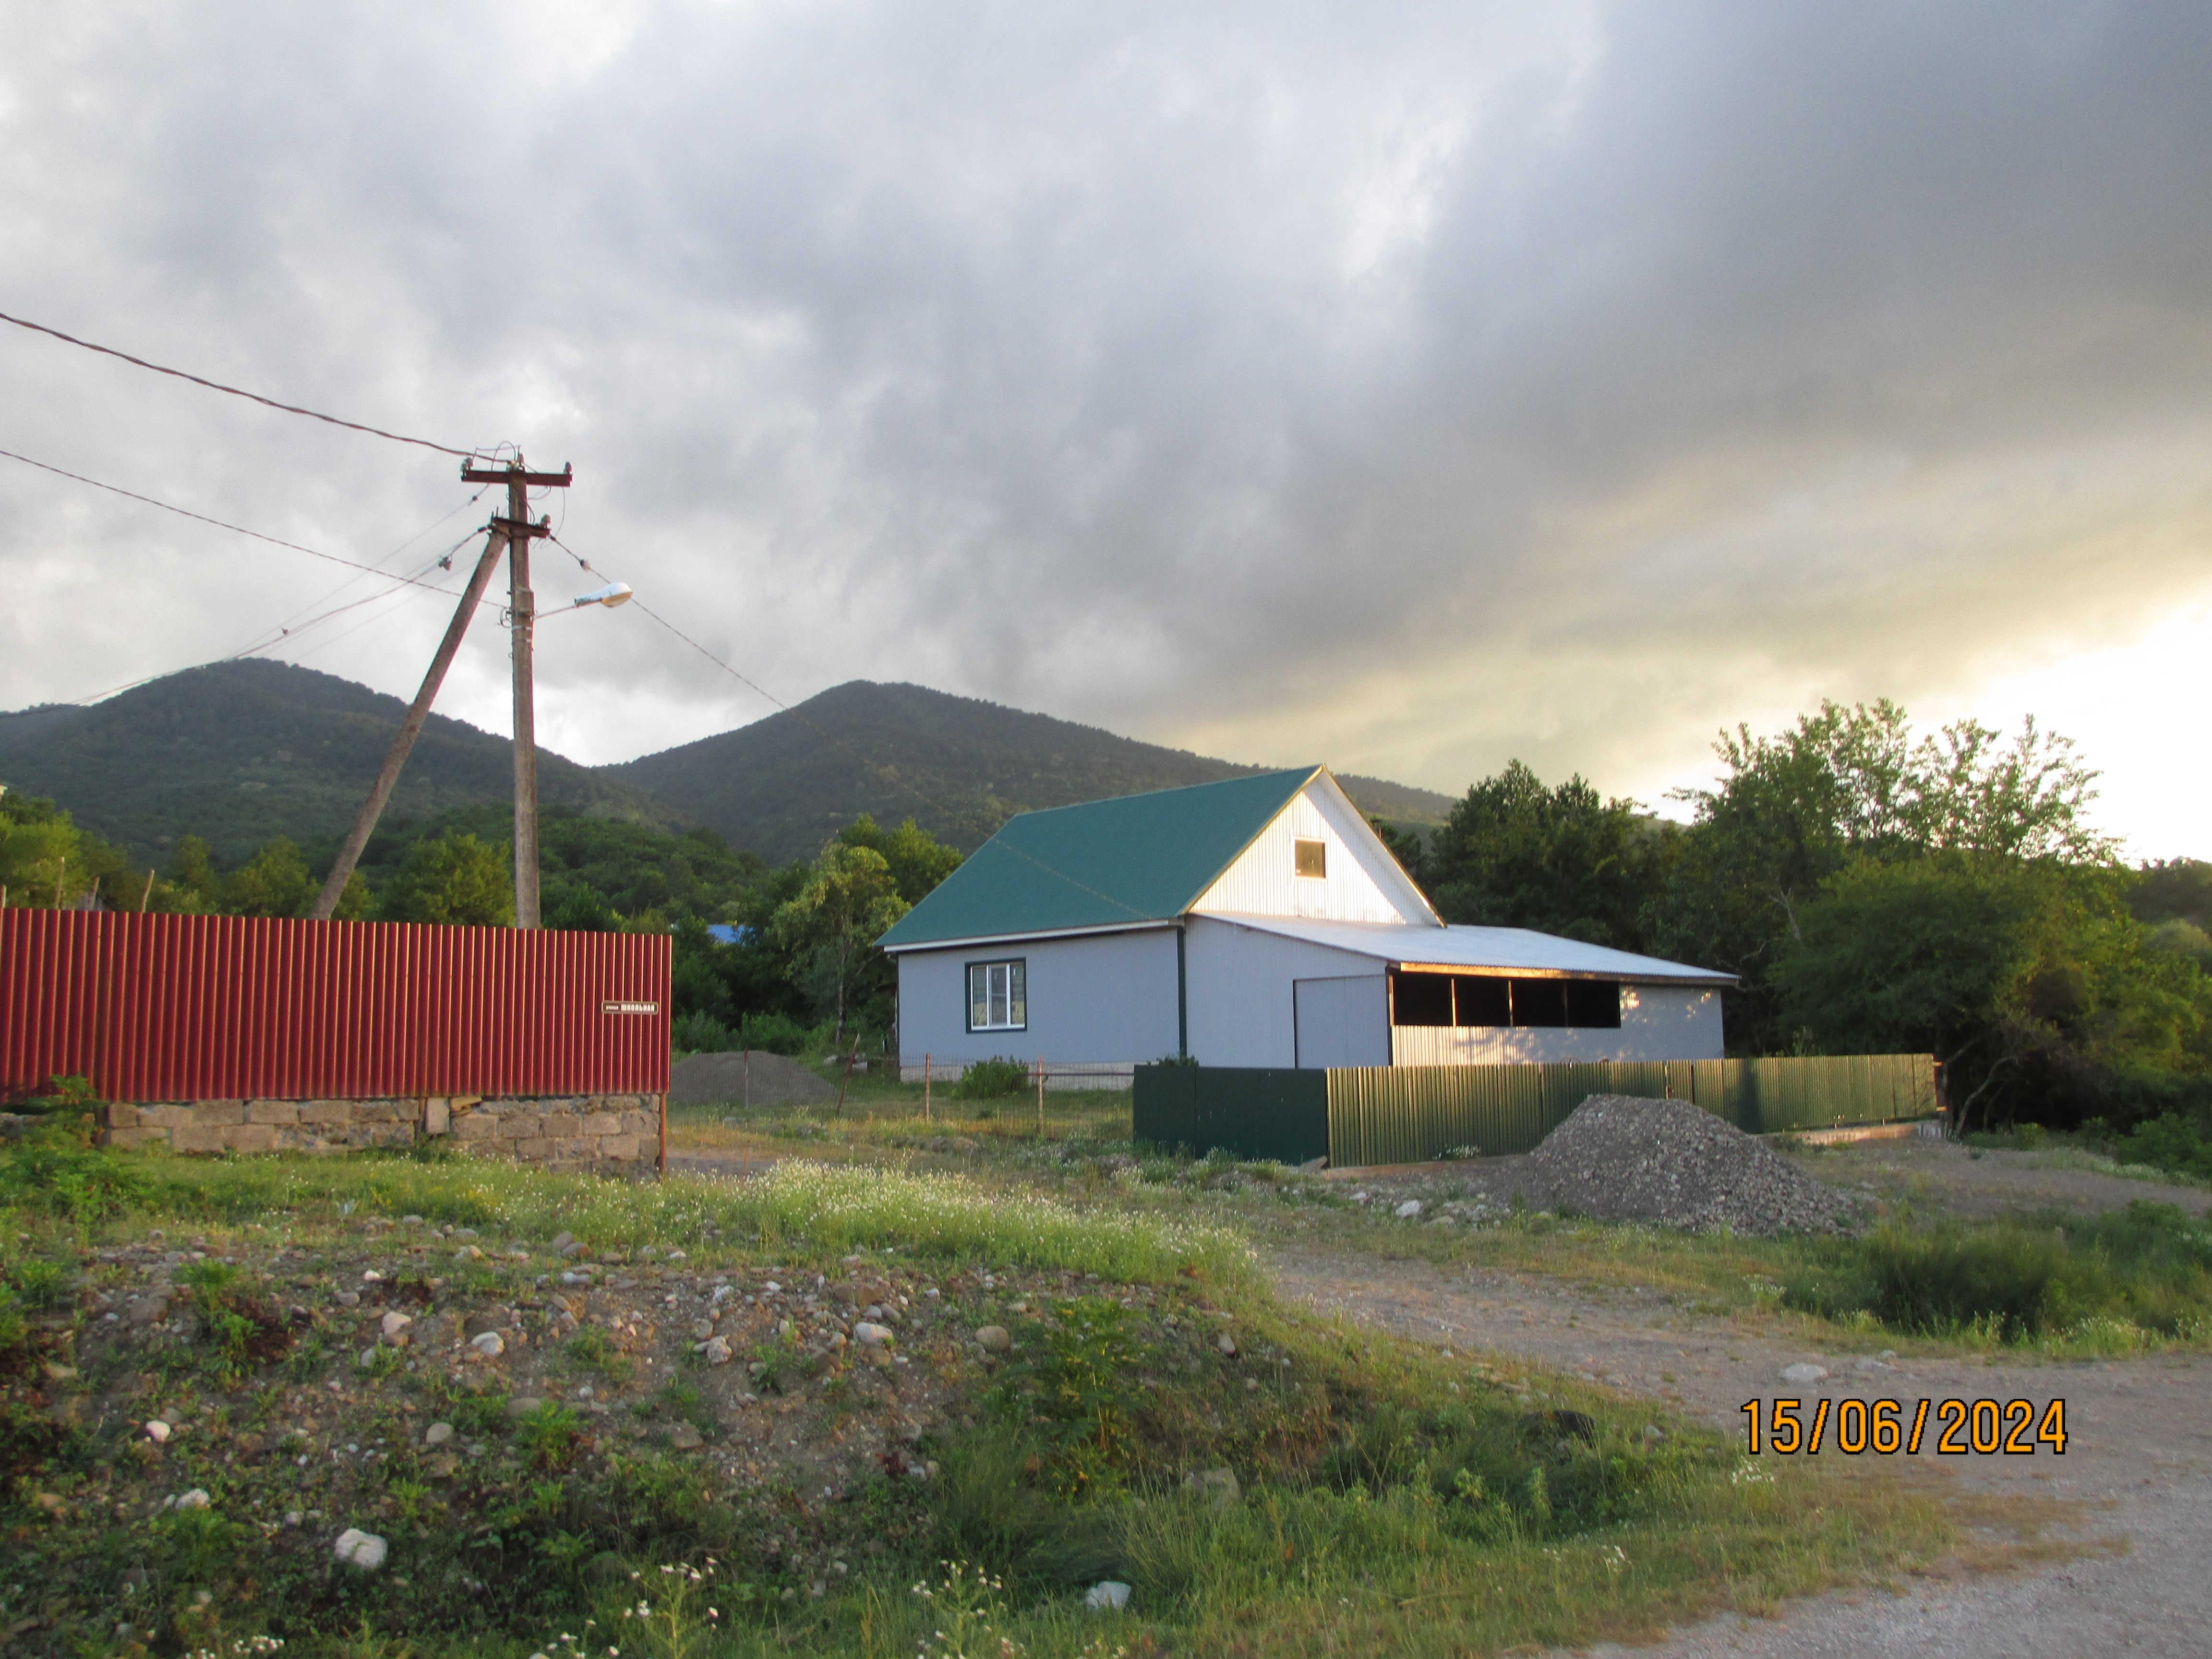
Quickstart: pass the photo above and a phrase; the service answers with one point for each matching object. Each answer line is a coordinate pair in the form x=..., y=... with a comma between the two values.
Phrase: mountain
x=960, y=766
x=240, y=752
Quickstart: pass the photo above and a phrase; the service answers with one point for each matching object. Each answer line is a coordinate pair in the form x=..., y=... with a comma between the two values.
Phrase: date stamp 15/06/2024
x=1960, y=1428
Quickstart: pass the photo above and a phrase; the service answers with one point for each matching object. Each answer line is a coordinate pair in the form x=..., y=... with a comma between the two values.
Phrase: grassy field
x=302, y=1329
x=2064, y=1287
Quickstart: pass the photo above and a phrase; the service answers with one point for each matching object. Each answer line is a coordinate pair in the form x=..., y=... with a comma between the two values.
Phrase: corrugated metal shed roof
x=1506, y=948
x=1103, y=864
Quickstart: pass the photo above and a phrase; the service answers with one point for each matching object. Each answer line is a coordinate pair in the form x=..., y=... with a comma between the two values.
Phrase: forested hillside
x=958, y=766
x=238, y=752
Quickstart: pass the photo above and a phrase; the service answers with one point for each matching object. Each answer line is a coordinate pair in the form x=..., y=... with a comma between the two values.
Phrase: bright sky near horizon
x=1410, y=388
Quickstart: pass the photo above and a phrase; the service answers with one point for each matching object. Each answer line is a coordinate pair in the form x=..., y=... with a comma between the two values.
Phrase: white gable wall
x=1364, y=882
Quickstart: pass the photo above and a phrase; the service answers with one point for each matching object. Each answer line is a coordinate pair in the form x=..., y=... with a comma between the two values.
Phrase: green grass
x=798, y=1207
x=1393, y=1500
x=2131, y=1276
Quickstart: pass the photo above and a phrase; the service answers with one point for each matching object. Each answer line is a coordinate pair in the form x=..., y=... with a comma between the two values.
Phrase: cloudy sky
x=1407, y=387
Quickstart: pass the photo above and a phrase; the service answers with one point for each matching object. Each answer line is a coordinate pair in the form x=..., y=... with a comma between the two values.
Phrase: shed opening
x=1478, y=1001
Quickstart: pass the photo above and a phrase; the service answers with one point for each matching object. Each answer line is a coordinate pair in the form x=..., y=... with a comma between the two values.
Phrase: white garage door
x=1342, y=1022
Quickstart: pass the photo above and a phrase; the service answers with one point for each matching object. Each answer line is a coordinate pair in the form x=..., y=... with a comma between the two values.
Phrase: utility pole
x=409, y=728
x=521, y=614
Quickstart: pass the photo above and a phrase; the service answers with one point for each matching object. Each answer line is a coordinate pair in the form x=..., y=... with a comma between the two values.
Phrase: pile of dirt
x=721, y=1081
x=1619, y=1158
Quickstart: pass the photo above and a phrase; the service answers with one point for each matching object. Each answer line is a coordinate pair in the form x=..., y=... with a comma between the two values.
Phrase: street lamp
x=612, y=594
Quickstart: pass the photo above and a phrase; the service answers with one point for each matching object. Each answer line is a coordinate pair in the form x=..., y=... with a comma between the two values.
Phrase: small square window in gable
x=1309, y=858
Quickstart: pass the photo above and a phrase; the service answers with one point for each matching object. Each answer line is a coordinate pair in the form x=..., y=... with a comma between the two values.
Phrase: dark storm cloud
x=1412, y=387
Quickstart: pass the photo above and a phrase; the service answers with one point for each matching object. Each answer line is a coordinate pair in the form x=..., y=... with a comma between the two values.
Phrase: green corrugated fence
x=1410, y=1114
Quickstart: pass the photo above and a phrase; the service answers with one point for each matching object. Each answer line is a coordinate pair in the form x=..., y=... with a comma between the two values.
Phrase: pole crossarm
x=561, y=480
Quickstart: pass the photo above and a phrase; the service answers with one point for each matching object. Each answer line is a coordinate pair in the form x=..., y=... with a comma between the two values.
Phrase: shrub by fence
x=1408, y=1114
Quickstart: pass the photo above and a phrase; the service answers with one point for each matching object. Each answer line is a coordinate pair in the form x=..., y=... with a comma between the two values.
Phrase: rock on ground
x=719, y=1080
x=363, y=1550
x=1619, y=1158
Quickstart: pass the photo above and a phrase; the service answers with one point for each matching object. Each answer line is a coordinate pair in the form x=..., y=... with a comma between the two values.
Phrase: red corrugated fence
x=181, y=1008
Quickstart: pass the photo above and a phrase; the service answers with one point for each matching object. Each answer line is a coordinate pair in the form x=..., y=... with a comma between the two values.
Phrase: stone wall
x=558, y=1131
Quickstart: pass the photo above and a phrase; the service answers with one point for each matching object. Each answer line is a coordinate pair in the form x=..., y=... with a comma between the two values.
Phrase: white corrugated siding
x=1264, y=880
x=1657, y=1022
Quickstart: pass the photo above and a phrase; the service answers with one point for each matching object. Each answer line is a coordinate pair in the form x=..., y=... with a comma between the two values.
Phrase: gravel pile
x=1667, y=1161
x=719, y=1080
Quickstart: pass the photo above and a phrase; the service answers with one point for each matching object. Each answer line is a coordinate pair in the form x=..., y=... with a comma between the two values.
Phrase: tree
x=191, y=871
x=831, y=925
x=1845, y=784
x=1515, y=854
x=454, y=879
x=275, y=882
x=41, y=860
x=2177, y=890
x=2022, y=978
x=918, y=860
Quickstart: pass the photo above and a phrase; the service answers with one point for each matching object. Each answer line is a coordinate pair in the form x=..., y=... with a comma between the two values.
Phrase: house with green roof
x=1255, y=922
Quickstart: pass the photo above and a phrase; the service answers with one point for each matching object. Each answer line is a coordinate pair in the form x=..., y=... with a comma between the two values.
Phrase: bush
x=64, y=1097
x=2174, y=1143
x=774, y=1033
x=2148, y=1265
x=76, y=1183
x=700, y=1034
x=992, y=1079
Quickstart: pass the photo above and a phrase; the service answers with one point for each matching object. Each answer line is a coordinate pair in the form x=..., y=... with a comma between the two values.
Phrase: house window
x=998, y=996
x=1310, y=858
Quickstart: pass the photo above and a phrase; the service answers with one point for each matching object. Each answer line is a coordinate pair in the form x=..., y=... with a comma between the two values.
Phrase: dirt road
x=2138, y=1460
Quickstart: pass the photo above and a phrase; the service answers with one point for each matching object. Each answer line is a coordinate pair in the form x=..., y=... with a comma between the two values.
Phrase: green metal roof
x=1133, y=859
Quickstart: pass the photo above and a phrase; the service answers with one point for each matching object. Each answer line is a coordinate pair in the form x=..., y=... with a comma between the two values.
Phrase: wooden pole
x=662, y=1167
x=748, y=1080
x=1040, y=1082
x=851, y=1055
x=522, y=616
x=925, y=1058
x=411, y=727
x=521, y=603
x=146, y=897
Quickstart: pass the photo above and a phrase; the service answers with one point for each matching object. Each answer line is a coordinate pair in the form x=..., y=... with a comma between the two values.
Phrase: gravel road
x=2138, y=1462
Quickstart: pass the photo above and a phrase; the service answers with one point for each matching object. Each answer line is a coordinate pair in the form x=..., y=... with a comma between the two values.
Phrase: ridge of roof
x=1146, y=856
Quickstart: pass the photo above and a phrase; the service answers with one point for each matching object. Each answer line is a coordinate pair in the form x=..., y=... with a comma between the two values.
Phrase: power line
x=292, y=622
x=290, y=630
x=220, y=523
x=951, y=814
x=237, y=392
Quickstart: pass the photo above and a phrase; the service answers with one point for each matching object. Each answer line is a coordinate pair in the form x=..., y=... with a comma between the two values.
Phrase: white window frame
x=1299, y=844
x=999, y=989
